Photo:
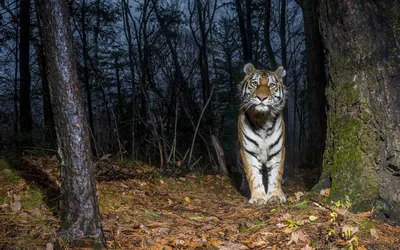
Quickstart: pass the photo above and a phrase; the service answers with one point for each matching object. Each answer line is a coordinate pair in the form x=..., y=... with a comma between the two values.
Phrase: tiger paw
x=260, y=199
x=277, y=196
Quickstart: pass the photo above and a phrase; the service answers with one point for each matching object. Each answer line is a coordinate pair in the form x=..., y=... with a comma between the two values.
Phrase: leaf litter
x=147, y=211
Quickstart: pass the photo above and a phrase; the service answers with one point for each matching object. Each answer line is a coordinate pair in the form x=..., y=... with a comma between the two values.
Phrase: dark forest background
x=159, y=77
x=159, y=81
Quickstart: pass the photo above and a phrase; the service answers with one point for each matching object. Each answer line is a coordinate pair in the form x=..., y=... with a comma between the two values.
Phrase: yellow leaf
x=170, y=202
x=312, y=218
x=287, y=230
x=187, y=199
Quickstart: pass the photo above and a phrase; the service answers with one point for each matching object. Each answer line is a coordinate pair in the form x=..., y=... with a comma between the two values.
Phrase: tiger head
x=263, y=91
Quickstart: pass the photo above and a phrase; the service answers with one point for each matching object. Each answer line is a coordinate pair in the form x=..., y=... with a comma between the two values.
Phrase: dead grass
x=146, y=211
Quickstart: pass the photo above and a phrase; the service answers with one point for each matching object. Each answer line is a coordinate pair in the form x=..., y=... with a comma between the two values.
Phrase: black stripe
x=251, y=153
x=277, y=141
x=273, y=125
x=244, y=85
x=252, y=125
x=250, y=139
x=270, y=156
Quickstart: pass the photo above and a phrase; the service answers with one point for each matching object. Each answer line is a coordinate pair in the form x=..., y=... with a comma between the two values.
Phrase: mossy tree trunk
x=362, y=159
x=80, y=215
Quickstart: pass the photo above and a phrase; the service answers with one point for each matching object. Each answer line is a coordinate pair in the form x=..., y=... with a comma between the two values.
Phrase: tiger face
x=263, y=90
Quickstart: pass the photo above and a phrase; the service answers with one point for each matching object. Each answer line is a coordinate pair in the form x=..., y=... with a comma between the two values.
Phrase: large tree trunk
x=25, y=119
x=80, y=214
x=362, y=158
x=316, y=79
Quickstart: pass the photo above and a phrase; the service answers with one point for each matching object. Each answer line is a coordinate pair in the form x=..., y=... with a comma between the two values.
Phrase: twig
x=198, y=124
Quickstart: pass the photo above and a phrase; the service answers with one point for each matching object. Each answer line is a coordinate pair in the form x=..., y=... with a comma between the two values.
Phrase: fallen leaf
x=196, y=218
x=374, y=233
x=298, y=236
x=15, y=206
x=215, y=241
x=287, y=230
x=303, y=237
x=49, y=246
x=280, y=225
x=361, y=248
x=187, y=199
x=325, y=192
x=162, y=230
x=151, y=213
x=232, y=245
x=298, y=195
x=312, y=218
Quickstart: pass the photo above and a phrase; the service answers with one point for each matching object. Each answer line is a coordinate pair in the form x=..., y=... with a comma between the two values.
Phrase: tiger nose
x=261, y=97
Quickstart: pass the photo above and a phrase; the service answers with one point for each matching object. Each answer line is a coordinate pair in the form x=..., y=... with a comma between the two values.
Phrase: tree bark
x=316, y=79
x=86, y=78
x=80, y=216
x=244, y=20
x=25, y=118
x=267, y=38
x=362, y=158
x=128, y=35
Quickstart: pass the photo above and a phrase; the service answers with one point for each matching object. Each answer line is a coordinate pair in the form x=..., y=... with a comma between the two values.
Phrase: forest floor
x=142, y=210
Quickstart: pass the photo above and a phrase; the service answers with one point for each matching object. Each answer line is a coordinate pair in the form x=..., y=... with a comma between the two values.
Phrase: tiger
x=261, y=132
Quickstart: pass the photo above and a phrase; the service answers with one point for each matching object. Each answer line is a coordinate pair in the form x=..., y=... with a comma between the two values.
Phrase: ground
x=142, y=210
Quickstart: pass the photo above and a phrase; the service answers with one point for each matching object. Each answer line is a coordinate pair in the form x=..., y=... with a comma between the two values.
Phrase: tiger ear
x=248, y=68
x=281, y=72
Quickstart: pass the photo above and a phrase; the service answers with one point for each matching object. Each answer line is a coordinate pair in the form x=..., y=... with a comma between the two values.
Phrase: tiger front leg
x=275, y=174
x=252, y=168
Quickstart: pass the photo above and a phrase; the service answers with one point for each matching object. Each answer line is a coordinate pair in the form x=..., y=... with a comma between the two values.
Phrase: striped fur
x=261, y=132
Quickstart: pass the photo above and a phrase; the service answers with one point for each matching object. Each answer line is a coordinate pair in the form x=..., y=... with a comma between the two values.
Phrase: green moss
x=33, y=199
x=350, y=144
x=366, y=225
x=7, y=175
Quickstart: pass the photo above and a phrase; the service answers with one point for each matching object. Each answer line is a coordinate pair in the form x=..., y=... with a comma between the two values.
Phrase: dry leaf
x=280, y=225
x=298, y=236
x=374, y=233
x=287, y=230
x=312, y=218
x=231, y=245
x=298, y=195
x=49, y=246
x=325, y=192
x=15, y=206
x=307, y=247
x=361, y=248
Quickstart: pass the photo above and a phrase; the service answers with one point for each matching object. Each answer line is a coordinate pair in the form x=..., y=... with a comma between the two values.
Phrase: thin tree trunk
x=49, y=129
x=15, y=94
x=80, y=215
x=25, y=120
x=86, y=79
x=282, y=35
x=267, y=38
x=128, y=35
